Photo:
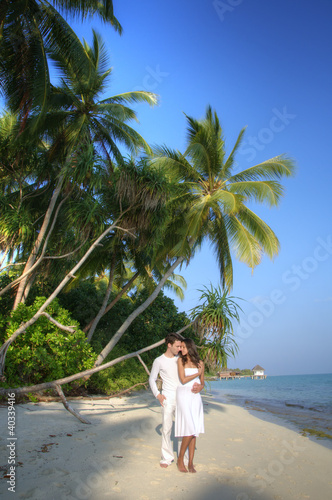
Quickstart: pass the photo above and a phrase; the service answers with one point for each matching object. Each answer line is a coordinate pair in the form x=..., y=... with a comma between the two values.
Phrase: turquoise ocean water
x=303, y=401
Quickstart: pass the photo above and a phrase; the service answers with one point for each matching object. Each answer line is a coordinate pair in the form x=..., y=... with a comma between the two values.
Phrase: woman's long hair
x=192, y=353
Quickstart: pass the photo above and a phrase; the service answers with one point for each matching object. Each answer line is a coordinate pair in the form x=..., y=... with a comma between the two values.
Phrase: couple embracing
x=182, y=374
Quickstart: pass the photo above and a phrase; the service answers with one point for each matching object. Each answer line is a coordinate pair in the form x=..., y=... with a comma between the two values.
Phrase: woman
x=189, y=419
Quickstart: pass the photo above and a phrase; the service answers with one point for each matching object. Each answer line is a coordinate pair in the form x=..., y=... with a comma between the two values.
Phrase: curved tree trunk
x=63, y=283
x=104, y=304
x=77, y=376
x=29, y=284
x=117, y=336
x=68, y=407
x=33, y=255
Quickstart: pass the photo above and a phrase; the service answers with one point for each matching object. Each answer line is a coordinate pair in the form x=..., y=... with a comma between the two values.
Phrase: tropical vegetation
x=94, y=223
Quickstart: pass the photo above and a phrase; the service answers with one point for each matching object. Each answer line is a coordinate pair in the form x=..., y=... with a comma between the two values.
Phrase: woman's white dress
x=189, y=418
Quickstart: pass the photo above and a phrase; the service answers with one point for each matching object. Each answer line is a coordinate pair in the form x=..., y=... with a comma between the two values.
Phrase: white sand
x=240, y=457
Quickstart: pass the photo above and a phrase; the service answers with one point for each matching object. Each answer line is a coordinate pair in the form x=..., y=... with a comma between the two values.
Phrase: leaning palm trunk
x=21, y=295
x=117, y=336
x=104, y=304
x=56, y=384
x=67, y=278
x=31, y=272
x=80, y=375
x=86, y=373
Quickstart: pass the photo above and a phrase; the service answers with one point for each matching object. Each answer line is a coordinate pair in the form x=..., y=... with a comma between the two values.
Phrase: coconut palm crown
x=217, y=198
x=27, y=30
x=76, y=114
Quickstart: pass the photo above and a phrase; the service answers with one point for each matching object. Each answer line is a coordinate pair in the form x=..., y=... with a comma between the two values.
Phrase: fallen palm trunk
x=56, y=384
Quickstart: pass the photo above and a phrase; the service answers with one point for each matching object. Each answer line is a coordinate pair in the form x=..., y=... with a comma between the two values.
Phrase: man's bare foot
x=181, y=466
x=191, y=468
x=164, y=466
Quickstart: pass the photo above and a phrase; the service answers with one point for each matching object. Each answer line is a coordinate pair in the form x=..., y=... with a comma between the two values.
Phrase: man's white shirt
x=168, y=370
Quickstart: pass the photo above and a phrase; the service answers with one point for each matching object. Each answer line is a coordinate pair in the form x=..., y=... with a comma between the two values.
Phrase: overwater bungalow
x=258, y=372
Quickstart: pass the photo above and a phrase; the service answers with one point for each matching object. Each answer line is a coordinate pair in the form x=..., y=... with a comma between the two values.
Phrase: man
x=166, y=366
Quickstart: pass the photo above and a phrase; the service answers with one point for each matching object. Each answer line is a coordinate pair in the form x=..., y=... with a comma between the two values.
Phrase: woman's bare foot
x=181, y=466
x=191, y=468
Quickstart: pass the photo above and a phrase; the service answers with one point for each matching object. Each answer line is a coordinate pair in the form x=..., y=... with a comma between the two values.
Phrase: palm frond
x=261, y=231
x=272, y=169
x=268, y=192
x=245, y=246
x=84, y=8
x=229, y=163
x=134, y=97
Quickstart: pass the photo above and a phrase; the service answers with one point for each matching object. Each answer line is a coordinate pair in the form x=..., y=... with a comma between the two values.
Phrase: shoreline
x=302, y=412
x=240, y=456
x=298, y=422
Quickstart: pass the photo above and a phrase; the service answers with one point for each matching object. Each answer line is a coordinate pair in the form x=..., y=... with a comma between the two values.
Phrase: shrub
x=118, y=377
x=44, y=352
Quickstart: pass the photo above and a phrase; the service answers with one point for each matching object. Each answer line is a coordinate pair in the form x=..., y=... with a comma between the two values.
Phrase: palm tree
x=27, y=31
x=76, y=122
x=22, y=167
x=135, y=248
x=217, y=198
x=212, y=204
x=142, y=198
x=76, y=114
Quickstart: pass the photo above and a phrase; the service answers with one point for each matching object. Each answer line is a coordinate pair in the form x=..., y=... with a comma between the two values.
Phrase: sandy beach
x=240, y=456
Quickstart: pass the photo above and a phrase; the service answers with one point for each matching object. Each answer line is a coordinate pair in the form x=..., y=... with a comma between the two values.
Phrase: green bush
x=118, y=377
x=44, y=352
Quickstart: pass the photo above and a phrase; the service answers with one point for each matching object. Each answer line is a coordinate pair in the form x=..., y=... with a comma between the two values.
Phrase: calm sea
x=303, y=401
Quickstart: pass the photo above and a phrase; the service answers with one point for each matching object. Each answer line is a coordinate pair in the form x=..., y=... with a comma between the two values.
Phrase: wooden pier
x=233, y=377
x=257, y=373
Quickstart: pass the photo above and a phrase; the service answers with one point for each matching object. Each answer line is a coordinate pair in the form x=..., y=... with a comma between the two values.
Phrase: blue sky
x=267, y=66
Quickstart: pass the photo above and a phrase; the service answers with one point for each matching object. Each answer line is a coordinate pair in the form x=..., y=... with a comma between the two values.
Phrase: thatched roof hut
x=258, y=368
x=259, y=372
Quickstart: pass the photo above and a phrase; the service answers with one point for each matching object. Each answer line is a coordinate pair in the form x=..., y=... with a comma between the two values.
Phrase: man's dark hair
x=172, y=337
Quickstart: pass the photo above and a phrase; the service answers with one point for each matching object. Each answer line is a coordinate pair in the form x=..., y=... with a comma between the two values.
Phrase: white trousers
x=168, y=413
